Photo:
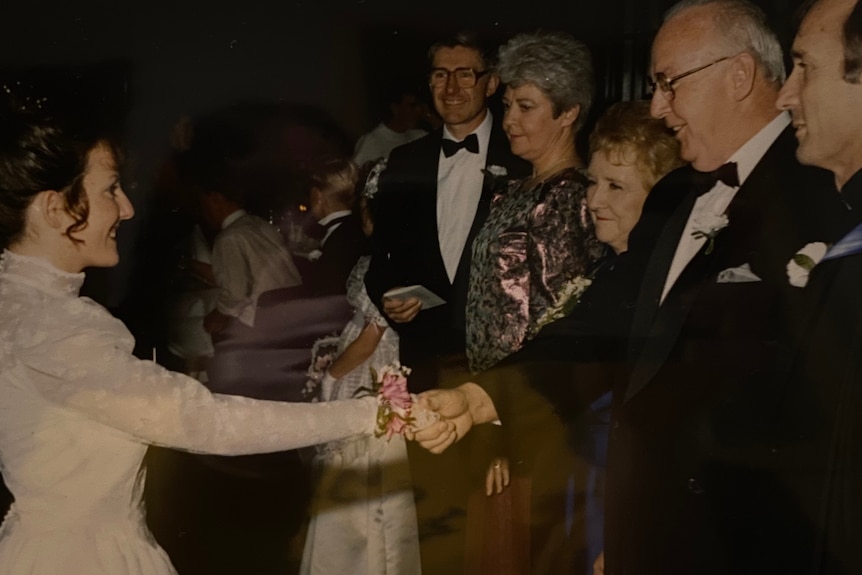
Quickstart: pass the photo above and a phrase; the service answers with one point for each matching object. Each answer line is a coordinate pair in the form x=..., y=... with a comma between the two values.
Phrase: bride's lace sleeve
x=92, y=372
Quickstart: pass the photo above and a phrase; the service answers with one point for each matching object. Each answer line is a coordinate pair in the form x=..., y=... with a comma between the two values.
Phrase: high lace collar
x=40, y=274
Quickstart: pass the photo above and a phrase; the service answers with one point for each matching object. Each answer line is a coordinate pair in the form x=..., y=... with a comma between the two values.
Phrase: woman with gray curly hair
x=536, y=244
x=537, y=237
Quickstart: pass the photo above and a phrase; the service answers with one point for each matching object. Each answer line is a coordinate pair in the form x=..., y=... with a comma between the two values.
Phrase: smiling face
x=534, y=134
x=615, y=196
x=826, y=110
x=108, y=206
x=700, y=105
x=462, y=109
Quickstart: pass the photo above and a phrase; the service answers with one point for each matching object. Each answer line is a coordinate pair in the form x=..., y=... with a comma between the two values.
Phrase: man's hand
x=401, y=310
x=455, y=420
x=459, y=410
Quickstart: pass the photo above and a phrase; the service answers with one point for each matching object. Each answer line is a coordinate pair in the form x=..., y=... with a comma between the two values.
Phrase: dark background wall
x=157, y=60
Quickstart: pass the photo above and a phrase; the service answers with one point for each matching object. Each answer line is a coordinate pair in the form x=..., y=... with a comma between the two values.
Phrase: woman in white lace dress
x=77, y=410
x=363, y=516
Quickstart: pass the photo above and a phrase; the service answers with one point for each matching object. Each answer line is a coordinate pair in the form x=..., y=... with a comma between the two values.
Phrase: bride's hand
x=455, y=421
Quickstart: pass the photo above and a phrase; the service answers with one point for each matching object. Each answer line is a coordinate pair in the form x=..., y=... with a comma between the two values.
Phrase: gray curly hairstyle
x=557, y=64
x=744, y=28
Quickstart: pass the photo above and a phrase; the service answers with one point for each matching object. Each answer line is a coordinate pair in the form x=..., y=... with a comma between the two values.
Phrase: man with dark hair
x=433, y=198
x=249, y=257
x=824, y=96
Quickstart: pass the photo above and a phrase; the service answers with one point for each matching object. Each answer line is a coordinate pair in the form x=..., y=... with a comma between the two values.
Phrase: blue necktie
x=846, y=246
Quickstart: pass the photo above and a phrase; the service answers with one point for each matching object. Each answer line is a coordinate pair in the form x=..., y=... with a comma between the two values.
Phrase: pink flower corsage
x=395, y=405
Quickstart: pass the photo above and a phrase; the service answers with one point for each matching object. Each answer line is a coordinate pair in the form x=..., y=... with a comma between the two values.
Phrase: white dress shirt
x=380, y=141
x=717, y=199
x=459, y=188
x=249, y=257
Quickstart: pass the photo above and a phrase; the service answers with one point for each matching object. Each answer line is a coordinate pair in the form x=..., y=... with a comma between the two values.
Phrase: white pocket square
x=742, y=274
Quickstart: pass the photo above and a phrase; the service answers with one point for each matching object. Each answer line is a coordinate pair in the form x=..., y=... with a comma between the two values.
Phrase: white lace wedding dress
x=363, y=517
x=77, y=412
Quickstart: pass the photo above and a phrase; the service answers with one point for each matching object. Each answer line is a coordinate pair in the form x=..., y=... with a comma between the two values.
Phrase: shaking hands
x=459, y=409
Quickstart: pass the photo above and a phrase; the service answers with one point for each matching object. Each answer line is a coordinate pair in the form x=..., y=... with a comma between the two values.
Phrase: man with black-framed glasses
x=433, y=197
x=696, y=442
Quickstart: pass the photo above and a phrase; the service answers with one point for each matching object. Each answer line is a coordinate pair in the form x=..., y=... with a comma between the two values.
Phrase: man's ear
x=493, y=84
x=743, y=69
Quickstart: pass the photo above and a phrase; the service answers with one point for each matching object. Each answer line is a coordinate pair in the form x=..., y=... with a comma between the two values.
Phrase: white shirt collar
x=482, y=131
x=234, y=216
x=748, y=156
x=333, y=216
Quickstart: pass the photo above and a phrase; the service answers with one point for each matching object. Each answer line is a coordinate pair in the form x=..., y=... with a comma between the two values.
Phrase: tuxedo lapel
x=500, y=155
x=659, y=266
x=658, y=326
x=648, y=347
x=425, y=210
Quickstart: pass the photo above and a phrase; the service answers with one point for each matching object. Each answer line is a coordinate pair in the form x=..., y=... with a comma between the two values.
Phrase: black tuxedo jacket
x=406, y=250
x=824, y=454
x=826, y=458
x=692, y=484
x=342, y=249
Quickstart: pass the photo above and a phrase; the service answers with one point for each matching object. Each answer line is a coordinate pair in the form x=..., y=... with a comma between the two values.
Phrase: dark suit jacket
x=824, y=453
x=406, y=251
x=342, y=249
x=692, y=486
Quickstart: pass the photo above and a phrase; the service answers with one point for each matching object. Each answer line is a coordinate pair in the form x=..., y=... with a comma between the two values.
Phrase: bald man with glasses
x=694, y=434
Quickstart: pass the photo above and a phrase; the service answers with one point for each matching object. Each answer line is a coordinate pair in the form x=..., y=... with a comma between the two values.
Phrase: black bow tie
x=470, y=143
x=726, y=174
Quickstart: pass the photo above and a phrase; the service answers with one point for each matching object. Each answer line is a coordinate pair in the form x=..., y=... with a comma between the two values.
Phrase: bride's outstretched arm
x=93, y=372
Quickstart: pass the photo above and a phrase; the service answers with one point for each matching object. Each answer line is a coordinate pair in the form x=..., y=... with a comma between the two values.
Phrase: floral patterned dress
x=537, y=238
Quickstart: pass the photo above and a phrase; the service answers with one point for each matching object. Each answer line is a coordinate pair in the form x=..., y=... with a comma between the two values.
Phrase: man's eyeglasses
x=666, y=85
x=465, y=77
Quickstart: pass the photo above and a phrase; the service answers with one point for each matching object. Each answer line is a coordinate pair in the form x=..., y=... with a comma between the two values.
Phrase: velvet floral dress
x=538, y=237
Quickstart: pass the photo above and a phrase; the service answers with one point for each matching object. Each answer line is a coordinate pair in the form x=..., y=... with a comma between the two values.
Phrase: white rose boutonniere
x=708, y=226
x=800, y=265
x=496, y=171
x=498, y=176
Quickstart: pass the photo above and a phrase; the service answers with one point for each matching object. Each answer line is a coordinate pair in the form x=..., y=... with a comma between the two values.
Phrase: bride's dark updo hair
x=41, y=150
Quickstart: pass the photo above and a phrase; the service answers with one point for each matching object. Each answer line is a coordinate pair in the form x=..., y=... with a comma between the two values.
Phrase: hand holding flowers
x=397, y=412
